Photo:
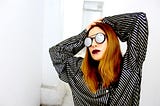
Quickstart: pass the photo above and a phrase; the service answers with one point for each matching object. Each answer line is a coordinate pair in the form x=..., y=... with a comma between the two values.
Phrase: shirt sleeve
x=62, y=55
x=133, y=29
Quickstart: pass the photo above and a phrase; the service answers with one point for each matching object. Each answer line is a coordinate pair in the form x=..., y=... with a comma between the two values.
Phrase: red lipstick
x=95, y=51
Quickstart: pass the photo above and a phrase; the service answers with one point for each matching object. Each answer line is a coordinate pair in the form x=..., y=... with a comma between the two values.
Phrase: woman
x=104, y=77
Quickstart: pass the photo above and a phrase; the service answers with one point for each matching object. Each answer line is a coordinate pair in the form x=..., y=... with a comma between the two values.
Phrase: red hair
x=107, y=70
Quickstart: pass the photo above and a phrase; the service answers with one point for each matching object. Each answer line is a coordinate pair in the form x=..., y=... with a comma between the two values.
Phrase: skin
x=97, y=50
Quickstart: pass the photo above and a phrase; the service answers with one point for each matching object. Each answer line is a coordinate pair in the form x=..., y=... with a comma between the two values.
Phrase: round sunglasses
x=99, y=38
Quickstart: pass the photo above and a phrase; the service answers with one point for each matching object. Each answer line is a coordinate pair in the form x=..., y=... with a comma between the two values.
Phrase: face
x=97, y=50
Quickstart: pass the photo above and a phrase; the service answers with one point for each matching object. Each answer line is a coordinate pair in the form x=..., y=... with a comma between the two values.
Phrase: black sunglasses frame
x=95, y=39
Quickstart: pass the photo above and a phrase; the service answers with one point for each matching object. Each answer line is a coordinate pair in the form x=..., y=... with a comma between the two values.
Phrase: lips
x=95, y=51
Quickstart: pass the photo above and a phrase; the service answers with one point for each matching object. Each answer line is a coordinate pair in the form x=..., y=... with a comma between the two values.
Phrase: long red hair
x=107, y=70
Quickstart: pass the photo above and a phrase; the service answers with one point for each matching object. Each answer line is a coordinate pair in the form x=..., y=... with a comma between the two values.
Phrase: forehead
x=95, y=30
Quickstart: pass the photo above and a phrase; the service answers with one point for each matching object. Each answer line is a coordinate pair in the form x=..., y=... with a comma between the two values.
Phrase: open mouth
x=95, y=51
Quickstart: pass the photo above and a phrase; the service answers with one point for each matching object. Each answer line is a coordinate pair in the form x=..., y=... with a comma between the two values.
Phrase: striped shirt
x=131, y=28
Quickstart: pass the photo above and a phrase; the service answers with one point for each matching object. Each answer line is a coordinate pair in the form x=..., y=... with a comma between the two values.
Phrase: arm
x=133, y=28
x=62, y=55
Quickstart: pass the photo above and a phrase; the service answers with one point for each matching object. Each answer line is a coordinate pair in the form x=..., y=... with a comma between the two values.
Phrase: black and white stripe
x=131, y=28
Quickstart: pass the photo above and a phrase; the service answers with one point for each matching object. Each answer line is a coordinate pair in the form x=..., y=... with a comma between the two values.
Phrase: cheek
x=90, y=49
x=104, y=46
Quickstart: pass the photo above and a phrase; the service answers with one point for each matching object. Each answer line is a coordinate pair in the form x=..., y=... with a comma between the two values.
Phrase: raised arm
x=62, y=55
x=133, y=28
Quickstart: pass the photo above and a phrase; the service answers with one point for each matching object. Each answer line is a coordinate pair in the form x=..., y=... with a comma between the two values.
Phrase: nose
x=94, y=43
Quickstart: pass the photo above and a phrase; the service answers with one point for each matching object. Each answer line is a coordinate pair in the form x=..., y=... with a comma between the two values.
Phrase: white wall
x=53, y=31
x=20, y=52
x=73, y=10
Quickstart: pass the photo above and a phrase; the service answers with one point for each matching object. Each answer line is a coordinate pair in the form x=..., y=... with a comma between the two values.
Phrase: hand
x=93, y=23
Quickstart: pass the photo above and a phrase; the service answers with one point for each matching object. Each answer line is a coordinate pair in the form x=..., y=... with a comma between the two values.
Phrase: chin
x=96, y=59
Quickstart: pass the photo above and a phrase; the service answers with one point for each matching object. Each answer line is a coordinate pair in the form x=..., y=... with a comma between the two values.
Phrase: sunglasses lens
x=88, y=42
x=100, y=38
